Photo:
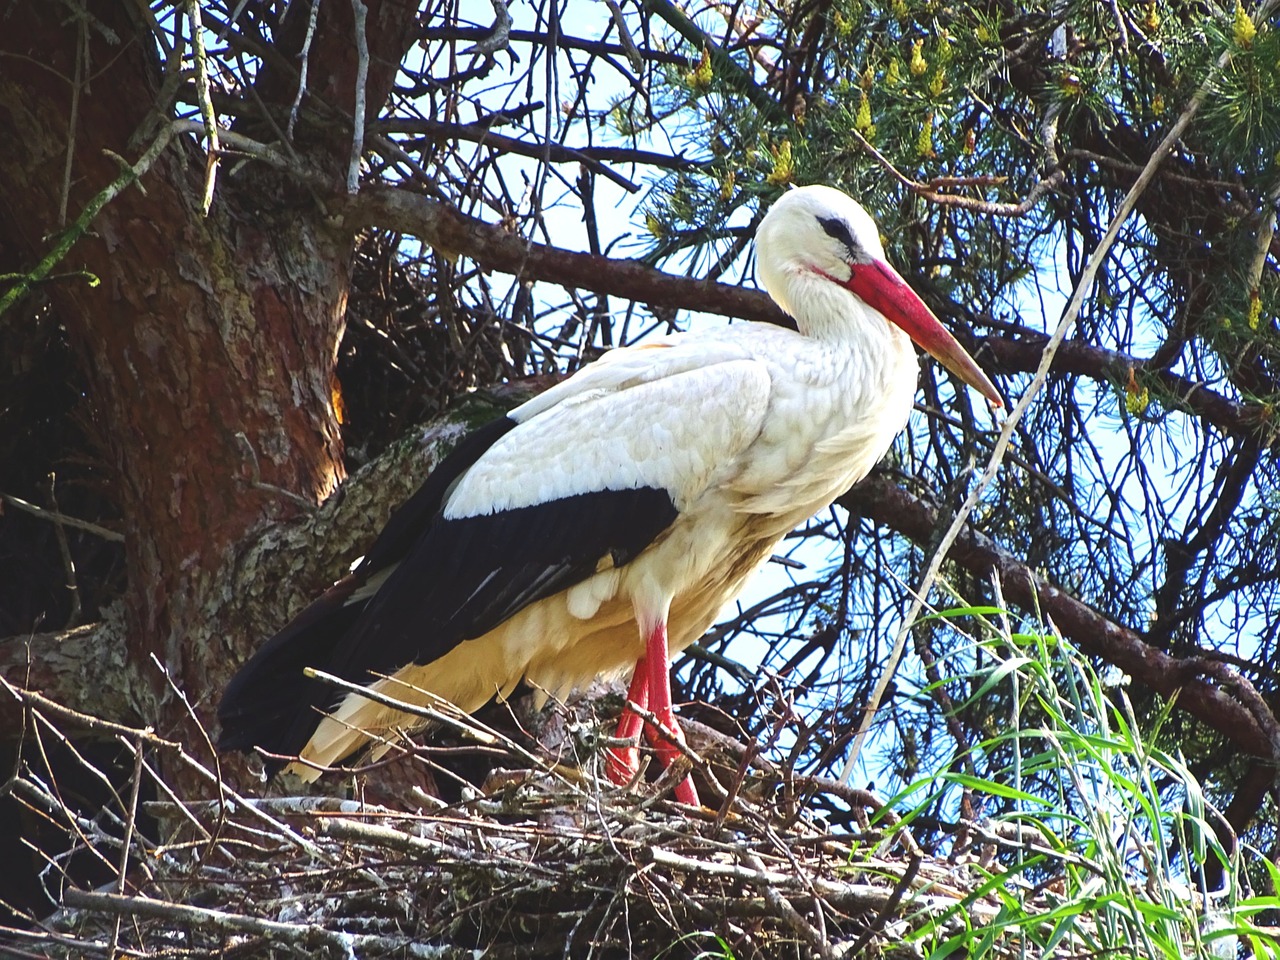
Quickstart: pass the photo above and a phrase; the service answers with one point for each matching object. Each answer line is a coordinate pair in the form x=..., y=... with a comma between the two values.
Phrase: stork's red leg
x=621, y=763
x=659, y=664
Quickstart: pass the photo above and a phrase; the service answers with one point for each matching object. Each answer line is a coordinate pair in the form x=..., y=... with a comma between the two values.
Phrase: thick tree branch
x=84, y=669
x=1098, y=363
x=1230, y=705
x=454, y=233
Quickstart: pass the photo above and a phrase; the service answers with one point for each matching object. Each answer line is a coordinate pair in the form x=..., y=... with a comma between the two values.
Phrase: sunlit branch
x=1219, y=697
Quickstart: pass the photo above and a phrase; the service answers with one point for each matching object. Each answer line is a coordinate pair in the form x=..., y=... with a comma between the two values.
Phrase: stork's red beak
x=880, y=286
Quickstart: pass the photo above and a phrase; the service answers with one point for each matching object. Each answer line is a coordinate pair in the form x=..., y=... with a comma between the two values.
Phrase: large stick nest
x=545, y=861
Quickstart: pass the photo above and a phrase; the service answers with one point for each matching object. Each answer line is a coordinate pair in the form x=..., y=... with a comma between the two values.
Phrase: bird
x=600, y=527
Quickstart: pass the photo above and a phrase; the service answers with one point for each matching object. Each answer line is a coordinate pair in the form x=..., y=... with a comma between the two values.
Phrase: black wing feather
x=269, y=702
x=467, y=576
x=412, y=518
x=450, y=580
x=260, y=706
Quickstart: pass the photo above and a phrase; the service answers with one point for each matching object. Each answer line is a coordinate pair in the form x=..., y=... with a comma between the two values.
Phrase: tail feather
x=270, y=703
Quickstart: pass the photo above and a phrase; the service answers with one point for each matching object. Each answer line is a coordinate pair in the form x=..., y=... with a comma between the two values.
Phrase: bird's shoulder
x=710, y=355
x=665, y=416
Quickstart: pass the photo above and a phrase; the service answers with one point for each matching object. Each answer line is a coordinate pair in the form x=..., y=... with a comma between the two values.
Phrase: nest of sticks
x=544, y=861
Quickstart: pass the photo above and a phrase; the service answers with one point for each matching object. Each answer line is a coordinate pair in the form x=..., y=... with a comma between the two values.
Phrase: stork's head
x=819, y=232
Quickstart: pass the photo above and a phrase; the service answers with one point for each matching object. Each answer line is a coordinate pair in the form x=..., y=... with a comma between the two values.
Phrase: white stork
x=601, y=527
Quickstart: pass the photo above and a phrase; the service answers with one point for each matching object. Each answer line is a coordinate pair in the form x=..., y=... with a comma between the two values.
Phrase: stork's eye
x=839, y=230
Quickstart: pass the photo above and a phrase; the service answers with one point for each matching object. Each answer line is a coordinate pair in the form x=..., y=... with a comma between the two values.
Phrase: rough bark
x=209, y=343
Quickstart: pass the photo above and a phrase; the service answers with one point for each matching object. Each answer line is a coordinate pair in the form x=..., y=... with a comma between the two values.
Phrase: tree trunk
x=209, y=343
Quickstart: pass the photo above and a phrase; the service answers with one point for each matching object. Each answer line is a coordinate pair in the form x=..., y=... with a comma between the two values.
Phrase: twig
x=54, y=516
x=499, y=37
x=234, y=15
x=439, y=710
x=204, y=734
x=843, y=895
x=670, y=736
x=174, y=802
x=1261, y=249
x=305, y=57
x=279, y=806
x=126, y=844
x=39, y=796
x=299, y=934
x=1118, y=14
x=930, y=192
x=40, y=703
x=624, y=36
x=802, y=927
x=359, y=12
x=592, y=157
x=73, y=121
x=257, y=483
x=238, y=142
x=449, y=34
x=131, y=174
x=267, y=114
x=443, y=712
x=48, y=939
x=1173, y=176
x=64, y=550
x=206, y=104
x=724, y=65
x=877, y=925
x=393, y=888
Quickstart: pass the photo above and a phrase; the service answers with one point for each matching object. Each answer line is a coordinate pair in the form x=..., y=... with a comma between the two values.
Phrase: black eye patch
x=838, y=230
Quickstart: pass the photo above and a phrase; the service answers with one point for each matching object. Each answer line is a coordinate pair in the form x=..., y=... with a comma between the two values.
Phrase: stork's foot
x=650, y=684
x=621, y=764
x=668, y=753
x=666, y=742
